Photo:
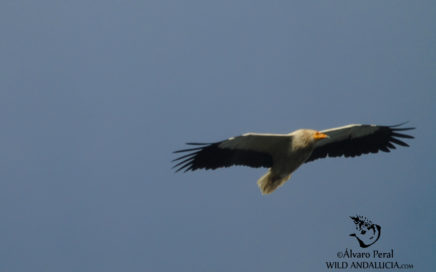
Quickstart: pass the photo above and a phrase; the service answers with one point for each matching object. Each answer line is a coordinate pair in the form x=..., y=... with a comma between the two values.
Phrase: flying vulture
x=284, y=153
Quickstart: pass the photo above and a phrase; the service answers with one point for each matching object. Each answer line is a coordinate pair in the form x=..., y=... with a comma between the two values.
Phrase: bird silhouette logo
x=367, y=233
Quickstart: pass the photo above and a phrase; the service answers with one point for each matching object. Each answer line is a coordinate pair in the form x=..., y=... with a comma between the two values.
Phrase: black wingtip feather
x=402, y=129
x=391, y=146
x=398, y=125
x=399, y=142
x=195, y=143
x=402, y=135
x=201, y=146
x=187, y=150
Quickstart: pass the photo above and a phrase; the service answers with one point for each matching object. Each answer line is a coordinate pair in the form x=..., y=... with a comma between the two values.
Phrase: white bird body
x=289, y=151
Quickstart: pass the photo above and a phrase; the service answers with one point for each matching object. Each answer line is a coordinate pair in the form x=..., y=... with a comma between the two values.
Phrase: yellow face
x=318, y=135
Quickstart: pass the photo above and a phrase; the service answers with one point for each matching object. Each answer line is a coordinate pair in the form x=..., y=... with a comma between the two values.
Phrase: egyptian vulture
x=284, y=153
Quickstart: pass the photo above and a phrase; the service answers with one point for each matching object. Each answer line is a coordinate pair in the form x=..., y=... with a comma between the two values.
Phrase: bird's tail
x=268, y=182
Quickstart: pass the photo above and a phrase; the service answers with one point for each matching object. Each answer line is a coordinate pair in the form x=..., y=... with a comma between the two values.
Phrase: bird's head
x=308, y=137
x=319, y=135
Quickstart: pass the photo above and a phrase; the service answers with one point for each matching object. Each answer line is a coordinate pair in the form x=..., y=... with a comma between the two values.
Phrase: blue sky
x=95, y=96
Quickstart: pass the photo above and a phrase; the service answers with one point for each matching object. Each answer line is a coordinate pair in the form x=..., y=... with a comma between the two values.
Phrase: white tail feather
x=268, y=183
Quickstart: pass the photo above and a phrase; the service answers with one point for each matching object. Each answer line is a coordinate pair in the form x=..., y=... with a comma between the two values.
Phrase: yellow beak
x=318, y=135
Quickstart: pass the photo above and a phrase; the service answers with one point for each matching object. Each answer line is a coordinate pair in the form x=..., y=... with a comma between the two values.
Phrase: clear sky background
x=95, y=96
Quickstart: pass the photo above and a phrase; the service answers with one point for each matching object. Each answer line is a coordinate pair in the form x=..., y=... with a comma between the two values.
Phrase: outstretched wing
x=355, y=140
x=250, y=149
